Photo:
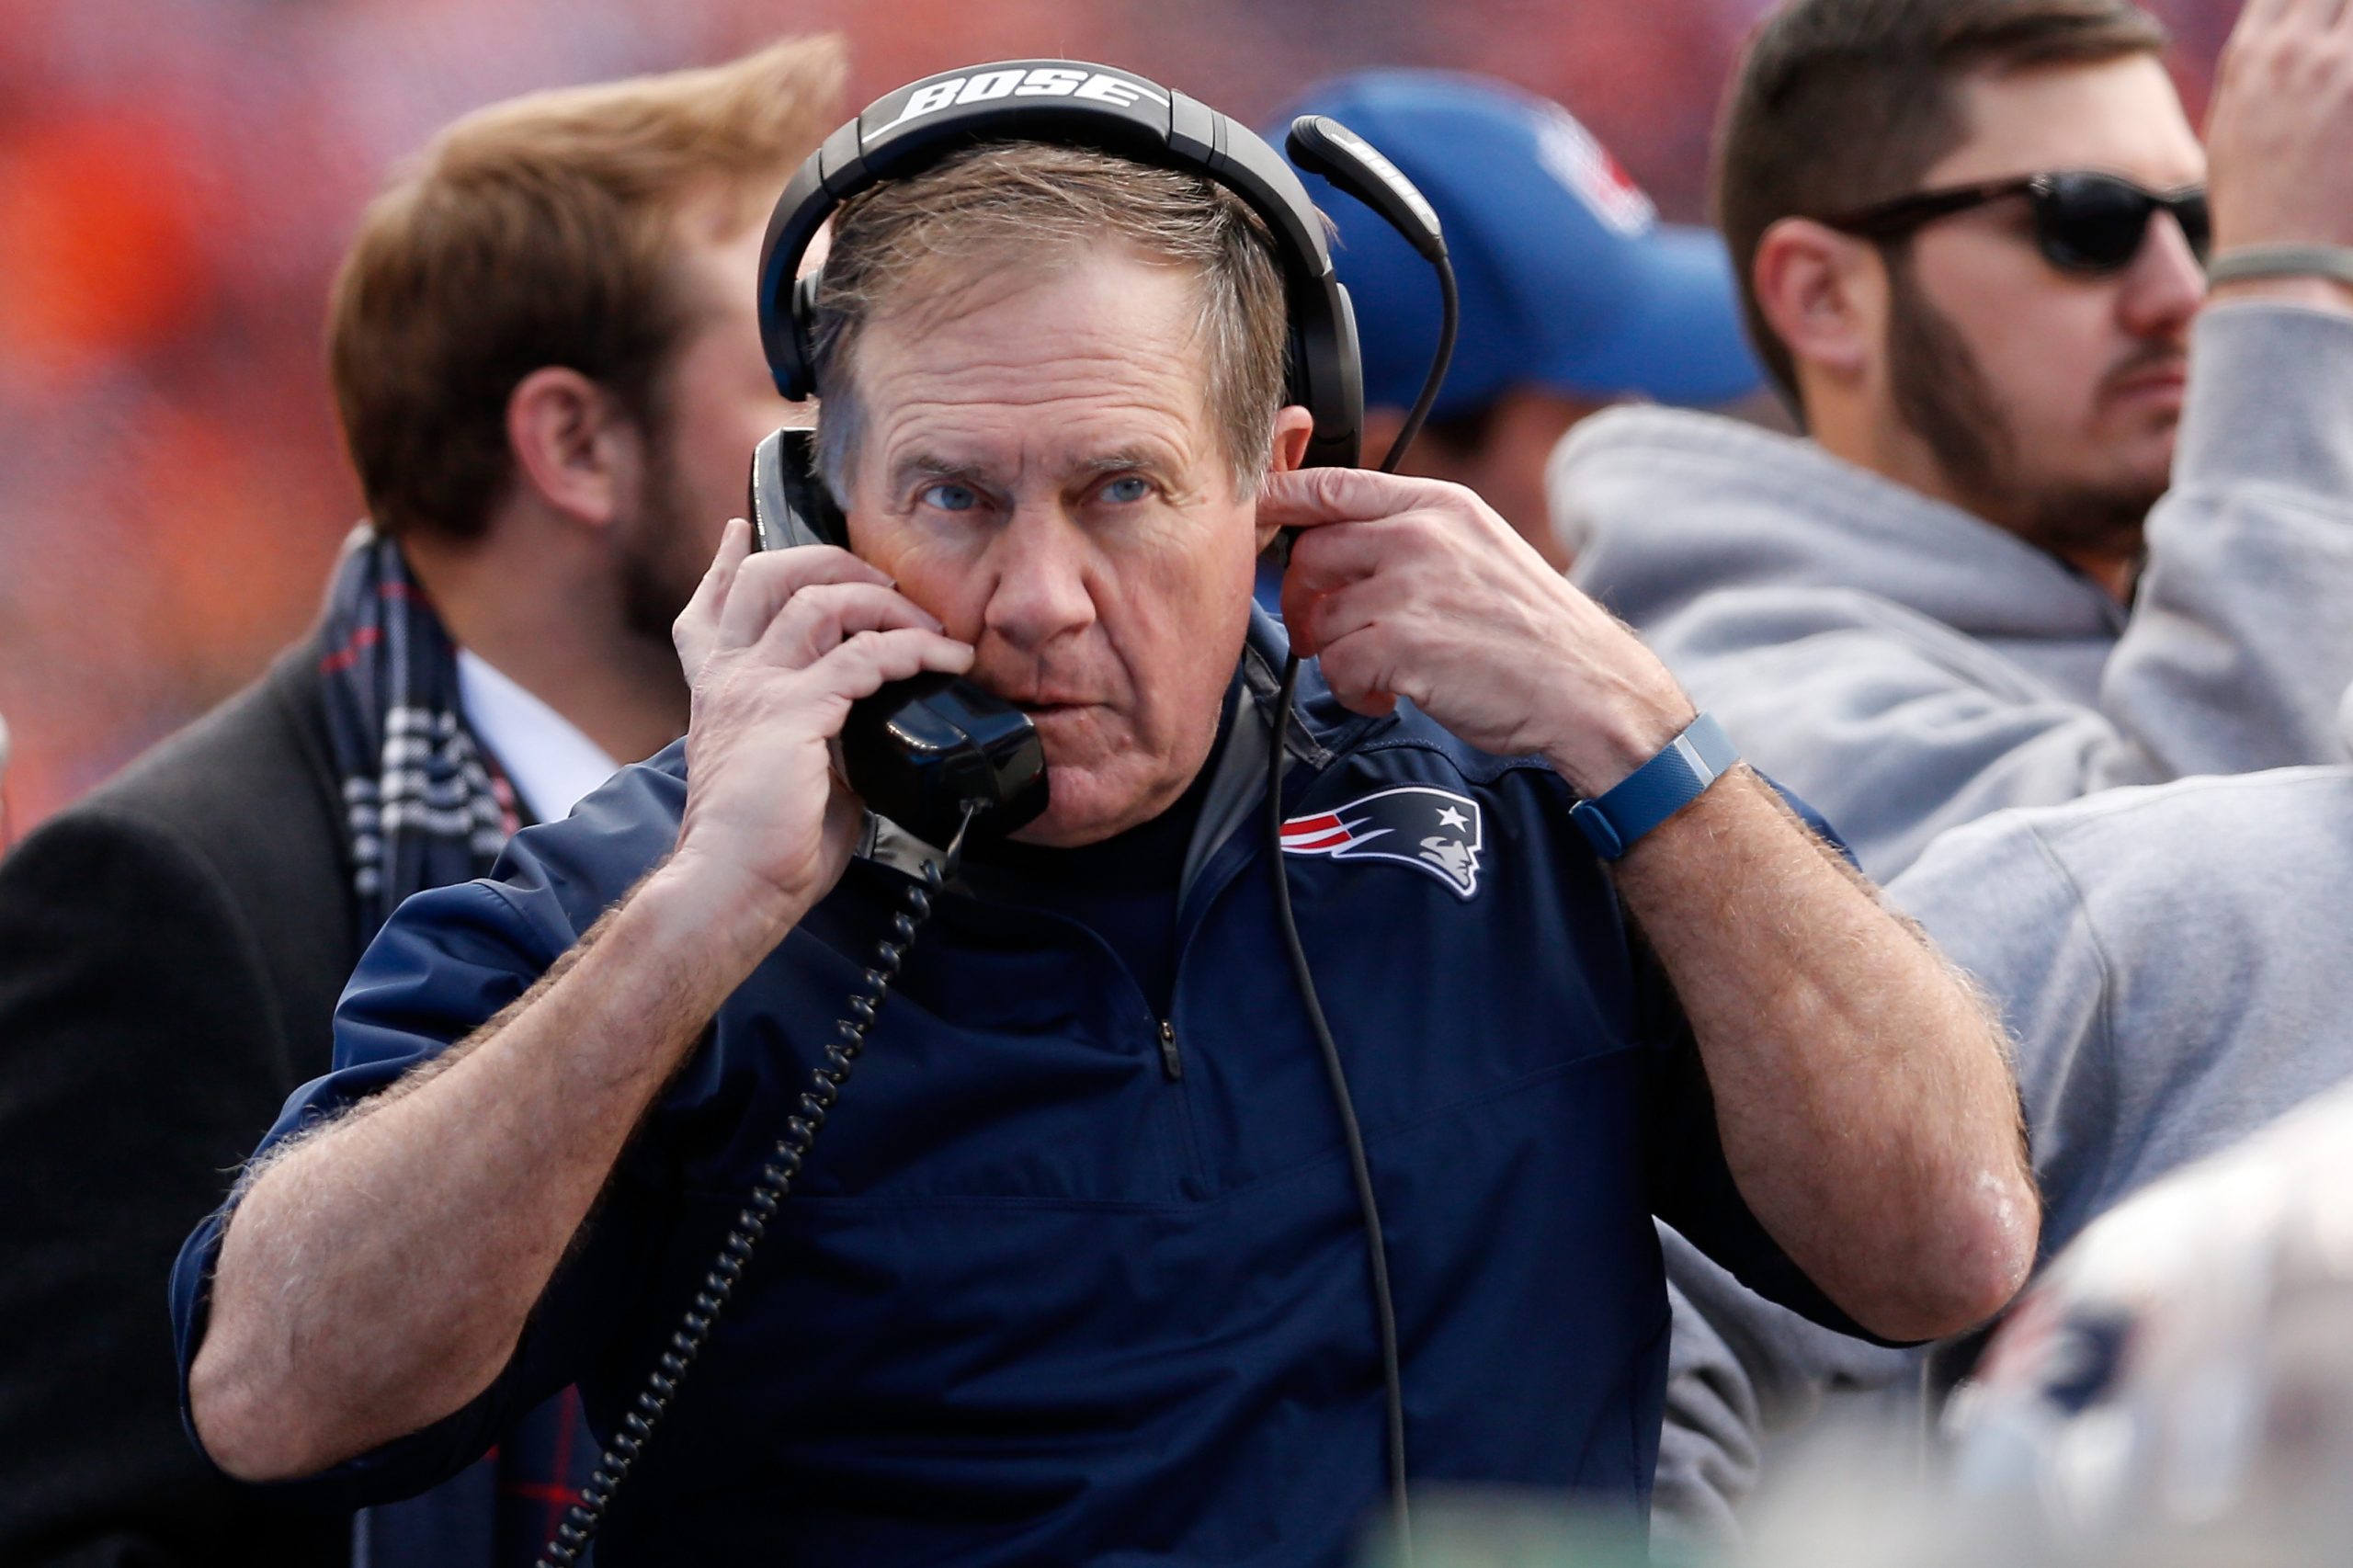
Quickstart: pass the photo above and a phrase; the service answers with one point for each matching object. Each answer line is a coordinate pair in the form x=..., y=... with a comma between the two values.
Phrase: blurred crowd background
x=178, y=177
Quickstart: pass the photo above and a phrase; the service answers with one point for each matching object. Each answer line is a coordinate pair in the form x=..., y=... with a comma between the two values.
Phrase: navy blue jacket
x=1060, y=1286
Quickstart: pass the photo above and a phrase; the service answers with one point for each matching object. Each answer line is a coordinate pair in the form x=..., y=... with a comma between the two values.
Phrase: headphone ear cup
x=1327, y=377
x=801, y=313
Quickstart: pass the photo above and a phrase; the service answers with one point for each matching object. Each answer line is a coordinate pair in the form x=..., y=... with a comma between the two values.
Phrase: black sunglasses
x=2083, y=221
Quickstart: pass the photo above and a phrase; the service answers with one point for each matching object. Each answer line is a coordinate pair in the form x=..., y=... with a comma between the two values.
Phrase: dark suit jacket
x=171, y=950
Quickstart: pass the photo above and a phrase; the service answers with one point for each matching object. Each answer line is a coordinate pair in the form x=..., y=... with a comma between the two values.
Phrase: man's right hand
x=342, y=1318
x=2279, y=141
x=777, y=646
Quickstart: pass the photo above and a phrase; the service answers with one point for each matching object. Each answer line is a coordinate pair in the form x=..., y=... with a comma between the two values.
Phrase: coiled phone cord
x=582, y=1520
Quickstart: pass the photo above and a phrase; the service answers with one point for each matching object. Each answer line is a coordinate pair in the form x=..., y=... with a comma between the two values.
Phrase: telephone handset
x=923, y=751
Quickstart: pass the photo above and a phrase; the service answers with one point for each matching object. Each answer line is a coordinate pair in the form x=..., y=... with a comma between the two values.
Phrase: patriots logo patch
x=1435, y=831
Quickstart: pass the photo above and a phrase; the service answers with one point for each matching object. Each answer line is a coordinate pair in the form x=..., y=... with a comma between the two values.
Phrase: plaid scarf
x=425, y=808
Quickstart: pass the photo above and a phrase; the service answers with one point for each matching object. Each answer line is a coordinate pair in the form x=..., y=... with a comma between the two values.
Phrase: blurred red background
x=177, y=179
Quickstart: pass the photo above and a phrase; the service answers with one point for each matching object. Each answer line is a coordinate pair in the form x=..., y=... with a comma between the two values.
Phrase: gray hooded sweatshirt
x=2175, y=963
x=1907, y=667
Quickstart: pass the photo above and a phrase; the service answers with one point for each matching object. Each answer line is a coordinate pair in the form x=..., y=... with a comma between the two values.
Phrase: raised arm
x=2235, y=650
x=376, y=1275
x=1865, y=1106
x=2237, y=654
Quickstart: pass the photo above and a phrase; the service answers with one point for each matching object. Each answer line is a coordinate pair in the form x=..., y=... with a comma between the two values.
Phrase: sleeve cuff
x=2269, y=386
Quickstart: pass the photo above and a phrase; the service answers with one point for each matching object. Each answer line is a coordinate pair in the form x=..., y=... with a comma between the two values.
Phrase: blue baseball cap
x=1568, y=279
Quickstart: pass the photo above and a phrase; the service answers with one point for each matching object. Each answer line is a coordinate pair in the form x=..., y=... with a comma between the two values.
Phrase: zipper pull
x=1172, y=1062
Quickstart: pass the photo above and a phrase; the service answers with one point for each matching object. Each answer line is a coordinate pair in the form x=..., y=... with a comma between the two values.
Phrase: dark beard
x=652, y=593
x=1942, y=396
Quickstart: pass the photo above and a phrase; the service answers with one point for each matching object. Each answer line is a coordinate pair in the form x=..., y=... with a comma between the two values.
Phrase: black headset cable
x=1360, y=1169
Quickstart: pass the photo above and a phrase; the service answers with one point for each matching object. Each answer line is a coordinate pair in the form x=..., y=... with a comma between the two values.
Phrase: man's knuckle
x=1330, y=487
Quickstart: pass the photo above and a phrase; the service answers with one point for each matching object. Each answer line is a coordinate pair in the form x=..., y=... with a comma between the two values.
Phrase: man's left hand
x=1416, y=588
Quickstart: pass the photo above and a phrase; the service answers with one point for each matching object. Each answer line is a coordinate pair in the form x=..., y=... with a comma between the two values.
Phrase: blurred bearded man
x=543, y=346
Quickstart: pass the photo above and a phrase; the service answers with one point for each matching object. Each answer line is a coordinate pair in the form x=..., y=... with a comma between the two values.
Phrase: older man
x=1077, y=1271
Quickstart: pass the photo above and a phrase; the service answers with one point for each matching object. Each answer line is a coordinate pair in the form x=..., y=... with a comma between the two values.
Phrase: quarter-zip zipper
x=1172, y=1061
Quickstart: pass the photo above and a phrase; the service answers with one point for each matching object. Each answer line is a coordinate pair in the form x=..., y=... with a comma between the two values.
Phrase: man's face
x=717, y=403
x=2048, y=400
x=1037, y=466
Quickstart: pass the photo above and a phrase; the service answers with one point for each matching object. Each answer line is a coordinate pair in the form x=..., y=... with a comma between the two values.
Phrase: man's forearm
x=1862, y=1093
x=378, y=1276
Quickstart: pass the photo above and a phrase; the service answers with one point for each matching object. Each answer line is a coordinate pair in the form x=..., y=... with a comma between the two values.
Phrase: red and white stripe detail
x=1312, y=835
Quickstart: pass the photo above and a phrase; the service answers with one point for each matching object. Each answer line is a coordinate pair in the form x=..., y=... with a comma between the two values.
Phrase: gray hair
x=1040, y=206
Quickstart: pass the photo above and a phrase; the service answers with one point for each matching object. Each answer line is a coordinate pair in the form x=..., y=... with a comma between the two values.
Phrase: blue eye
x=1127, y=488
x=949, y=498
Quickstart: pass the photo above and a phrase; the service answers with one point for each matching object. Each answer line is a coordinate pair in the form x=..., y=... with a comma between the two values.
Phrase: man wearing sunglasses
x=2044, y=536
x=1971, y=237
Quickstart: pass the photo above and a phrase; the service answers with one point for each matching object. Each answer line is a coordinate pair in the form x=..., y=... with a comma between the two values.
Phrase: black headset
x=1073, y=103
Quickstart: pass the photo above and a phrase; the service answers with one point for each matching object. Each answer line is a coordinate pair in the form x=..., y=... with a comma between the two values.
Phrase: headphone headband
x=1073, y=103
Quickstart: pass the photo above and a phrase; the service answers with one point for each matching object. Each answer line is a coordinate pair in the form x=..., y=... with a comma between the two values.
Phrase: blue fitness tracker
x=1614, y=821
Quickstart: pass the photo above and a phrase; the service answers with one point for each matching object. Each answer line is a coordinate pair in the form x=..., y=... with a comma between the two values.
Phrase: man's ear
x=1823, y=294
x=1293, y=426
x=1288, y=448
x=575, y=449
